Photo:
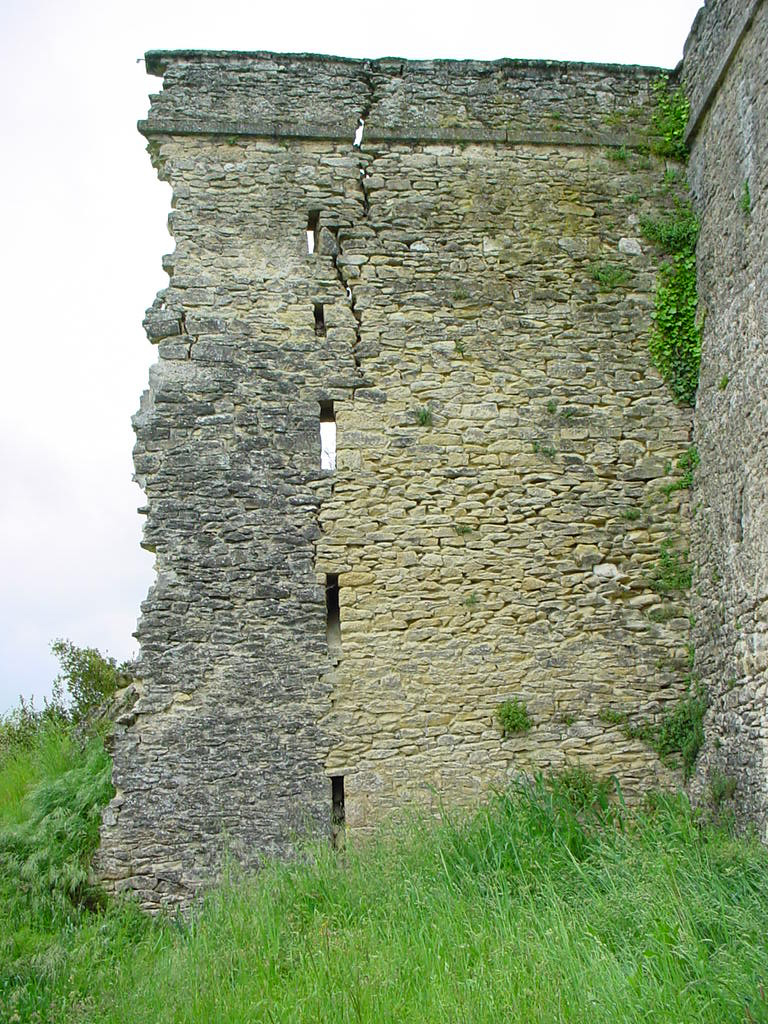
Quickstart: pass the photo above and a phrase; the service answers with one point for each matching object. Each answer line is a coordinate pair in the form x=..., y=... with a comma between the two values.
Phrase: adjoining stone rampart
x=726, y=73
x=475, y=314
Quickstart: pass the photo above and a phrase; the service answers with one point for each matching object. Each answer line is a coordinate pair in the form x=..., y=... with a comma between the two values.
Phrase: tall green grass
x=550, y=904
x=528, y=911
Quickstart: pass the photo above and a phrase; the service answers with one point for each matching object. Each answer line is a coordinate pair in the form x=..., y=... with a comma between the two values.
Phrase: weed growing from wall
x=677, y=232
x=687, y=463
x=721, y=788
x=745, y=202
x=513, y=717
x=544, y=449
x=672, y=573
x=681, y=730
x=608, y=275
x=619, y=154
x=677, y=736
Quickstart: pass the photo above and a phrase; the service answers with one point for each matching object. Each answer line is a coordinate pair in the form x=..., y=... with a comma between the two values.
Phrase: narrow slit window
x=327, y=436
x=313, y=226
x=319, y=319
x=337, y=810
x=332, y=616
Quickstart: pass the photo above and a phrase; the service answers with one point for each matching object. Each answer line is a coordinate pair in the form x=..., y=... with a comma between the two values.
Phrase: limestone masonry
x=726, y=61
x=324, y=646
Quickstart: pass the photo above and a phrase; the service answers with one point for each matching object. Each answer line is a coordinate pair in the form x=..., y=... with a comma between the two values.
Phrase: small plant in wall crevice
x=745, y=202
x=672, y=573
x=512, y=716
x=608, y=275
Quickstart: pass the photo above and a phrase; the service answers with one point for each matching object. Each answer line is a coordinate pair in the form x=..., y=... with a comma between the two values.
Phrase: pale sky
x=83, y=227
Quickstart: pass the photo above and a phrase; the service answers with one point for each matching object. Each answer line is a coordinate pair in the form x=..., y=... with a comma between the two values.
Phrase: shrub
x=583, y=790
x=89, y=677
x=21, y=726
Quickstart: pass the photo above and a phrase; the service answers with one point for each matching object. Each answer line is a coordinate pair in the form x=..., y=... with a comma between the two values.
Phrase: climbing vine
x=670, y=119
x=675, y=343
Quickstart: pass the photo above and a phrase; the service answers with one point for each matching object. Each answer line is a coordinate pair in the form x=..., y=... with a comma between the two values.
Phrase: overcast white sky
x=83, y=224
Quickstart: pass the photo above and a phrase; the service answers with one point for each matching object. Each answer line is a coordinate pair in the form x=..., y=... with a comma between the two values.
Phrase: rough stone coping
x=339, y=132
x=157, y=61
x=728, y=53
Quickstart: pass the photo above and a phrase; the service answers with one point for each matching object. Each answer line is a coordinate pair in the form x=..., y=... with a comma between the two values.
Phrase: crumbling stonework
x=726, y=76
x=503, y=441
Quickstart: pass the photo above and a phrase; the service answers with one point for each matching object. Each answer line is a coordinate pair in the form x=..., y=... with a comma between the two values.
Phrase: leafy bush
x=20, y=727
x=89, y=677
x=83, y=689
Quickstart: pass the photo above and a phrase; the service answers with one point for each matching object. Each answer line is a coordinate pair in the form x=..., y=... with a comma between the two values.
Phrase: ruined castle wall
x=503, y=441
x=726, y=74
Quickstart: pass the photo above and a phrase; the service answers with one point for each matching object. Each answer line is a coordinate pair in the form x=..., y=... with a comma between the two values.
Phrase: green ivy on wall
x=675, y=343
x=670, y=119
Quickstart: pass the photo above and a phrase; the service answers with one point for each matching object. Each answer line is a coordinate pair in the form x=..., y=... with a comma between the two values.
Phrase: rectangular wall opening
x=337, y=811
x=319, y=319
x=313, y=226
x=327, y=436
x=332, y=616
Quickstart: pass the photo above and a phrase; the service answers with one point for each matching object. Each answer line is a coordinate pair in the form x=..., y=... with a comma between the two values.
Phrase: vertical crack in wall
x=345, y=280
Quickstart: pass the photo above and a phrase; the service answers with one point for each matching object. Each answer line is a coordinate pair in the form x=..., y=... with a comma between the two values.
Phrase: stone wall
x=497, y=506
x=726, y=73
